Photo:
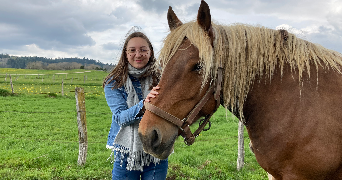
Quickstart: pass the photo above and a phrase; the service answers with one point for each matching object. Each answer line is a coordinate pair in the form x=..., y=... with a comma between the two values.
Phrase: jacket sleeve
x=116, y=100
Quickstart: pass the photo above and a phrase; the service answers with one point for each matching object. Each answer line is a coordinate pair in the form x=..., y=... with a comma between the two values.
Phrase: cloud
x=34, y=50
x=95, y=29
x=301, y=33
x=111, y=46
x=327, y=36
x=334, y=17
x=158, y=6
x=56, y=24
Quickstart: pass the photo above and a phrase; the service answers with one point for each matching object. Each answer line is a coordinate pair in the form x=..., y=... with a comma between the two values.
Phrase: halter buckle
x=189, y=141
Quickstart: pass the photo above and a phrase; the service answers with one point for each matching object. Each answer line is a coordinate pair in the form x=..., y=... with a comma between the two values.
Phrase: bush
x=52, y=95
x=4, y=92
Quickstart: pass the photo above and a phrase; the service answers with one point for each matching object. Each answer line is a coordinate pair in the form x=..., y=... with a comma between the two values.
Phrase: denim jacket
x=122, y=115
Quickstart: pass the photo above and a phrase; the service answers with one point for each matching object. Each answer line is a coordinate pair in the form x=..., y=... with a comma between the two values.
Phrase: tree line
x=34, y=62
x=63, y=66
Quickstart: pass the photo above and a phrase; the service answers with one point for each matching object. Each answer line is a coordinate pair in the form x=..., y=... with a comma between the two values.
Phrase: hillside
x=34, y=62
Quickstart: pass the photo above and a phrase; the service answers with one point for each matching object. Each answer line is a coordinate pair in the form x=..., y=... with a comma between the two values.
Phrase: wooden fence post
x=241, y=151
x=62, y=88
x=82, y=125
x=11, y=84
x=6, y=77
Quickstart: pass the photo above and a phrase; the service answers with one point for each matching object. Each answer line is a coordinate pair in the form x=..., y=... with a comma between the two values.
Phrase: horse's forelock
x=197, y=37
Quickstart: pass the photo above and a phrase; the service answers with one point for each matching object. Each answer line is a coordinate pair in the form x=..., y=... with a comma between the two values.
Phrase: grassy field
x=39, y=136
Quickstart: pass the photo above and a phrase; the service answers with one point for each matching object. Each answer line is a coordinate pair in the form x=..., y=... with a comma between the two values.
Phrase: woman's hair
x=119, y=74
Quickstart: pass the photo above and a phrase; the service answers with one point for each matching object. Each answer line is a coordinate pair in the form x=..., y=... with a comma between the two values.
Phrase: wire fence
x=51, y=112
x=59, y=141
x=63, y=86
x=74, y=111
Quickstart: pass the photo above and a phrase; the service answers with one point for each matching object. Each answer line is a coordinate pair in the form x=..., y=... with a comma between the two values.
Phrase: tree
x=35, y=65
x=92, y=67
x=75, y=65
x=4, y=56
x=22, y=62
x=52, y=66
x=3, y=62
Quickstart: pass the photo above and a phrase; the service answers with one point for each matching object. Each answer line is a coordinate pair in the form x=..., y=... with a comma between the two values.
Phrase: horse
x=286, y=91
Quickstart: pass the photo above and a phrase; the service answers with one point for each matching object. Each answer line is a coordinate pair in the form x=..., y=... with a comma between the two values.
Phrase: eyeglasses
x=134, y=51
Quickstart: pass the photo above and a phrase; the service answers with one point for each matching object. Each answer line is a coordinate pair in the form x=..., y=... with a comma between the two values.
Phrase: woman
x=125, y=88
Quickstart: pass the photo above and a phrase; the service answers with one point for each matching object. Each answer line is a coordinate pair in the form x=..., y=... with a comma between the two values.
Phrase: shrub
x=52, y=95
x=4, y=92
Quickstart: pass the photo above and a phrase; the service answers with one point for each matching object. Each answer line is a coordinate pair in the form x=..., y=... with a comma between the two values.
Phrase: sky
x=96, y=29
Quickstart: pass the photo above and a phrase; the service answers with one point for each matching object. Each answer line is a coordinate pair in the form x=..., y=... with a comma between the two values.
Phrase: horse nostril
x=155, y=139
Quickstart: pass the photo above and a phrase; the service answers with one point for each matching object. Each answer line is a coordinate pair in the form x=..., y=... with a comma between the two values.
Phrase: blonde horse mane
x=246, y=51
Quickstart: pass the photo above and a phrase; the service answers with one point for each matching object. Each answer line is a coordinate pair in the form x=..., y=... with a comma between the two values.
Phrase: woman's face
x=138, y=52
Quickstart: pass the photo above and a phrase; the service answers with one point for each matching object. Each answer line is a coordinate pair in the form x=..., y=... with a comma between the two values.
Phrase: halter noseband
x=183, y=124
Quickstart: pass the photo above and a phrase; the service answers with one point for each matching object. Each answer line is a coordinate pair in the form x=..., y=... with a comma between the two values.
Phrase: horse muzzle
x=158, y=138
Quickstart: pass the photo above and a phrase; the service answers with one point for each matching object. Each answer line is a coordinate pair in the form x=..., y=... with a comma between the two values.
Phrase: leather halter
x=183, y=124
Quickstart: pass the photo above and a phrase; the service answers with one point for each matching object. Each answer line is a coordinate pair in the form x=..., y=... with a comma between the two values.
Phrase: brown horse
x=287, y=91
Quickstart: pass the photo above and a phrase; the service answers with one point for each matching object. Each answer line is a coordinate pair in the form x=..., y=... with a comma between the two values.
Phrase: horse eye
x=197, y=67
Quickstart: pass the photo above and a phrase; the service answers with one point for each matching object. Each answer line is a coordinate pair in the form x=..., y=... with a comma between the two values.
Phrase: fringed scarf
x=127, y=140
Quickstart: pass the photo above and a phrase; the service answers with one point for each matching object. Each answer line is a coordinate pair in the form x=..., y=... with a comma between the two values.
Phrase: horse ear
x=172, y=19
x=204, y=18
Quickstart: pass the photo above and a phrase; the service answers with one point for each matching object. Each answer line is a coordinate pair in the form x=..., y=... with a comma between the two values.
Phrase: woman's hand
x=152, y=94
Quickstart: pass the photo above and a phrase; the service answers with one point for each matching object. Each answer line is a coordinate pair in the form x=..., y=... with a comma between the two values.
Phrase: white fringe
x=135, y=160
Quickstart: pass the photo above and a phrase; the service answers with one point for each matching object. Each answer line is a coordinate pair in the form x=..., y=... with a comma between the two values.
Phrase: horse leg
x=270, y=177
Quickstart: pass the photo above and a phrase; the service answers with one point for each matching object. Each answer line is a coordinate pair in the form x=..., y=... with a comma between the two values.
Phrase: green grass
x=45, y=145
x=214, y=153
x=39, y=136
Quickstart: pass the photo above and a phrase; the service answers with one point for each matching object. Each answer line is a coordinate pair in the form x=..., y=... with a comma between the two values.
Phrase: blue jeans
x=152, y=172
